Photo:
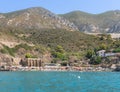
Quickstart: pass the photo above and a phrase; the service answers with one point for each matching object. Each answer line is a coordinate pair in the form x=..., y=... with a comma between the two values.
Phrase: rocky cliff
x=108, y=22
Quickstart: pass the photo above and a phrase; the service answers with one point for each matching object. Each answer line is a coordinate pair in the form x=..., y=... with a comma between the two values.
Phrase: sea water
x=59, y=82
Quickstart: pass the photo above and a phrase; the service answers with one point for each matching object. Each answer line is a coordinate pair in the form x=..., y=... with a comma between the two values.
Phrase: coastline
x=60, y=69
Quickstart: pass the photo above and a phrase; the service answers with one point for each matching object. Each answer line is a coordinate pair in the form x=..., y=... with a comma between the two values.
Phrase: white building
x=101, y=53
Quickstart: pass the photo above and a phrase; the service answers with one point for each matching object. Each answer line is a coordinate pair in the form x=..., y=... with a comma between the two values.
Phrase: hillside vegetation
x=38, y=33
x=71, y=41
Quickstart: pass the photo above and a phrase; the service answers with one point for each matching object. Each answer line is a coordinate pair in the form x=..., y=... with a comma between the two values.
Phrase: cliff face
x=107, y=22
x=115, y=28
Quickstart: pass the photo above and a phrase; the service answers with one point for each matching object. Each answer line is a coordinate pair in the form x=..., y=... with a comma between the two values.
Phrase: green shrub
x=4, y=51
x=8, y=50
x=40, y=49
x=90, y=53
x=64, y=63
x=12, y=51
x=95, y=60
x=116, y=50
x=28, y=55
x=25, y=46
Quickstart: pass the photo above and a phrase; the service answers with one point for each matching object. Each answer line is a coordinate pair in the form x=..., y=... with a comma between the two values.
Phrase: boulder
x=117, y=68
x=113, y=66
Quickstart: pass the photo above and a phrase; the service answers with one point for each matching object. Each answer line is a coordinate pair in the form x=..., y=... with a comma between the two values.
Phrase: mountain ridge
x=35, y=18
x=87, y=22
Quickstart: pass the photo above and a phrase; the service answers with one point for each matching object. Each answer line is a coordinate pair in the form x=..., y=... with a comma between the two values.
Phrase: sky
x=61, y=6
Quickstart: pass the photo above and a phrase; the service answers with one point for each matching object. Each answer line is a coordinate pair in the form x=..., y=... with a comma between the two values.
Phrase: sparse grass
x=7, y=50
x=13, y=51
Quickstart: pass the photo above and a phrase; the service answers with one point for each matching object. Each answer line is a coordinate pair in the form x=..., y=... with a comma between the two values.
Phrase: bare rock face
x=5, y=60
x=107, y=22
x=89, y=28
x=47, y=58
x=117, y=68
x=115, y=28
x=113, y=66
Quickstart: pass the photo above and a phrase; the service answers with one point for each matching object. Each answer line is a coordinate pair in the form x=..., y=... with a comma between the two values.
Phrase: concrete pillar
x=28, y=63
x=38, y=64
x=35, y=63
x=32, y=61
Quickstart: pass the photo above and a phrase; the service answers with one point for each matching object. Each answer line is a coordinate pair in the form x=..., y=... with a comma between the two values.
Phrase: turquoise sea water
x=59, y=82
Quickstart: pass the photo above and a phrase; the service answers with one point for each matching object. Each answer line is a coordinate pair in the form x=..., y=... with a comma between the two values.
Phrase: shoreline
x=55, y=71
x=61, y=69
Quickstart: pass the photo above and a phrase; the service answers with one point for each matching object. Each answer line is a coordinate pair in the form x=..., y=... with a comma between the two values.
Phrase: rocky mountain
x=39, y=33
x=16, y=29
x=37, y=30
x=35, y=18
x=106, y=22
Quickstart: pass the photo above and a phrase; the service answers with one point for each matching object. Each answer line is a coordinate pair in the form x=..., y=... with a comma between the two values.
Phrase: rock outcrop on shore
x=5, y=60
x=117, y=68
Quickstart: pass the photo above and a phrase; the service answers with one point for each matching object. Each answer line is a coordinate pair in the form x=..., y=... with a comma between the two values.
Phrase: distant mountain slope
x=95, y=22
x=35, y=18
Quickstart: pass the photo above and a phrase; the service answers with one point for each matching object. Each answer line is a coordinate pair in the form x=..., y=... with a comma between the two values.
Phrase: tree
x=59, y=49
x=116, y=50
x=59, y=53
x=28, y=55
x=90, y=53
x=95, y=60
x=103, y=46
x=64, y=63
x=109, y=37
